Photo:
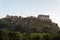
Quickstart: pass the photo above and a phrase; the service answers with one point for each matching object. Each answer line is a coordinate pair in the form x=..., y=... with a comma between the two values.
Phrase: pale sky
x=31, y=8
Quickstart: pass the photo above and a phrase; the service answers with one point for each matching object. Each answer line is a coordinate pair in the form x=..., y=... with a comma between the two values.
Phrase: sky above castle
x=31, y=8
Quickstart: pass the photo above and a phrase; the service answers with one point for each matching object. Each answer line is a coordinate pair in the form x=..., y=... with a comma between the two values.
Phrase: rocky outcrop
x=29, y=25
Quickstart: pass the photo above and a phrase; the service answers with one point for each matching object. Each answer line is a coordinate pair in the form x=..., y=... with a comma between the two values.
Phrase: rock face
x=29, y=24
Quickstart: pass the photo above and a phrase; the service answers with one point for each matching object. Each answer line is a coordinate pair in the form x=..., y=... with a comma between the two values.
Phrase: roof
x=44, y=15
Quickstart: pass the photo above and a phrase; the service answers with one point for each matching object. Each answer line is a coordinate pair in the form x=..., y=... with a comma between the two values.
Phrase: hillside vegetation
x=28, y=28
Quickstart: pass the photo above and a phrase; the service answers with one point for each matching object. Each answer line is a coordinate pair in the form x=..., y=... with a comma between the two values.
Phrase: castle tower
x=43, y=17
x=8, y=16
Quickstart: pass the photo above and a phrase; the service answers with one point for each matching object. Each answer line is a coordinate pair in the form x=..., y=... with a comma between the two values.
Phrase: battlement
x=8, y=16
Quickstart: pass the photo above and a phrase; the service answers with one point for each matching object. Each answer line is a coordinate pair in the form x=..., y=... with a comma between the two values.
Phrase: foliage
x=28, y=29
x=8, y=35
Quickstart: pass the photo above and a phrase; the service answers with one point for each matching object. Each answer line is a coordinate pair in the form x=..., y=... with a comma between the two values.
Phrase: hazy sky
x=31, y=8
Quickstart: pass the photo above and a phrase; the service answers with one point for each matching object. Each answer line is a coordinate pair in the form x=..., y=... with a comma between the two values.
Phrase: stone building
x=43, y=17
x=8, y=16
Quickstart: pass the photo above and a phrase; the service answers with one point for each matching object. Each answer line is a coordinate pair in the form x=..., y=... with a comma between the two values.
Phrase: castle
x=40, y=17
